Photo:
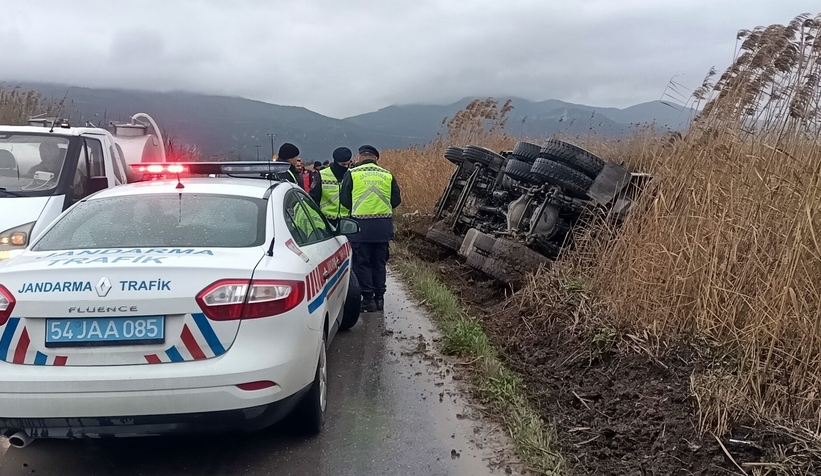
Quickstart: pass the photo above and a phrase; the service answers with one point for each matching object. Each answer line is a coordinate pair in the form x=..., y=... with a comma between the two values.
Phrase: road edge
x=501, y=388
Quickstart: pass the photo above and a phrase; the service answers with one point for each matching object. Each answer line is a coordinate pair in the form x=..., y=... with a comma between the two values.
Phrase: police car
x=175, y=305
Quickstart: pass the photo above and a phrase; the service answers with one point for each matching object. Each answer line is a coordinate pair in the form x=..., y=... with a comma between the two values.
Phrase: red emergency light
x=211, y=168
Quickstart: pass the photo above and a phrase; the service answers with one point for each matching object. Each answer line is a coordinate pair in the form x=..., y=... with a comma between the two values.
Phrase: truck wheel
x=444, y=238
x=530, y=152
x=573, y=156
x=563, y=176
x=454, y=155
x=353, y=304
x=479, y=155
x=520, y=171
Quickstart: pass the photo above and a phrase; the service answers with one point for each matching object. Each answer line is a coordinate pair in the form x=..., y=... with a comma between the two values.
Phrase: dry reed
x=725, y=246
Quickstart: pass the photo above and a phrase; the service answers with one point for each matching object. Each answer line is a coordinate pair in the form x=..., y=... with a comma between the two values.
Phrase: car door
x=314, y=237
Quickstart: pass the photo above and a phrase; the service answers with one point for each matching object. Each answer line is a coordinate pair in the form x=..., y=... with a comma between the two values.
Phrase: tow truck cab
x=47, y=166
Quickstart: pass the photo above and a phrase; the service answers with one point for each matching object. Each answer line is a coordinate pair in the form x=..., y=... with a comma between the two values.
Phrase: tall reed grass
x=726, y=246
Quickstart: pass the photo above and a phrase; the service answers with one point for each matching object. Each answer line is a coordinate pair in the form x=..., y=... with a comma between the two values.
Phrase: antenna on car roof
x=59, y=111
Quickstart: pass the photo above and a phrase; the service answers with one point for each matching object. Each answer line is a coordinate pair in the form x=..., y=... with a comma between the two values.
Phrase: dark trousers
x=369, y=260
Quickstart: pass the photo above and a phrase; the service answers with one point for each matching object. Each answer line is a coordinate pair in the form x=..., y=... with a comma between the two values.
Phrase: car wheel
x=309, y=416
x=350, y=312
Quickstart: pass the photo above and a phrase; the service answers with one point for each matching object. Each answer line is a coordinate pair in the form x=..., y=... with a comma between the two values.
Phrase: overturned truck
x=511, y=213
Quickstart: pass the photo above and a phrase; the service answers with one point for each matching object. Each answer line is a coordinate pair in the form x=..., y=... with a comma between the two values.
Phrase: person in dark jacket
x=371, y=193
x=326, y=191
x=290, y=153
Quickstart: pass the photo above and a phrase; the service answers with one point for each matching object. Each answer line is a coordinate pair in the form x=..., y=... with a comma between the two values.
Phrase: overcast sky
x=345, y=57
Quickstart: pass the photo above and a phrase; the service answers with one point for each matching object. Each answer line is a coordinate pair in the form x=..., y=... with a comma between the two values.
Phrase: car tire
x=519, y=171
x=563, y=176
x=353, y=306
x=309, y=415
x=527, y=150
x=573, y=156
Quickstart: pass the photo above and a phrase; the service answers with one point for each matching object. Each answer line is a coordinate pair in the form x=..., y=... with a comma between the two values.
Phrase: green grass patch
x=463, y=336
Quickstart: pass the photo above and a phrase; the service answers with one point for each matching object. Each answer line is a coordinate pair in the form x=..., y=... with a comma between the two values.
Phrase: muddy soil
x=617, y=412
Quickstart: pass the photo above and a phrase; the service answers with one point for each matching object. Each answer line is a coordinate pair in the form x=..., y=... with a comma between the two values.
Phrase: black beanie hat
x=369, y=149
x=342, y=154
x=288, y=151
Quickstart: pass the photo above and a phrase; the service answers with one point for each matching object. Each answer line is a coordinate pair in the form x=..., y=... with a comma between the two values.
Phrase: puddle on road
x=474, y=446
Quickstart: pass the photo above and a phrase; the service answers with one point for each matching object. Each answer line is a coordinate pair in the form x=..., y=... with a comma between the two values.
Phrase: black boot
x=368, y=304
x=380, y=302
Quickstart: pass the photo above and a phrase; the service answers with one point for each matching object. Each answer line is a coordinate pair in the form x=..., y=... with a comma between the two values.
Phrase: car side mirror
x=347, y=226
x=95, y=184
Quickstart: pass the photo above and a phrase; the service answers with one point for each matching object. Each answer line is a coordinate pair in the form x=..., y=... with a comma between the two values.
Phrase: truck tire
x=572, y=156
x=479, y=155
x=529, y=151
x=561, y=175
x=454, y=155
x=520, y=171
x=444, y=238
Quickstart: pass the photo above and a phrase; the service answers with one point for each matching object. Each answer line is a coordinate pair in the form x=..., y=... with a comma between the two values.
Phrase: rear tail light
x=6, y=305
x=229, y=300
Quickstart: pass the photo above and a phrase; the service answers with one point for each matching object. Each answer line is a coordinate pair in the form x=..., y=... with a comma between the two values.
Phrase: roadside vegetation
x=16, y=105
x=463, y=336
x=716, y=275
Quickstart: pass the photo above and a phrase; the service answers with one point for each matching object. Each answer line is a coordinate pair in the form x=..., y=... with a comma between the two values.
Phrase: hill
x=234, y=126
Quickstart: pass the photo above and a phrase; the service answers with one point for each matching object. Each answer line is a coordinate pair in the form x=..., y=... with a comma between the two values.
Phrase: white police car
x=174, y=305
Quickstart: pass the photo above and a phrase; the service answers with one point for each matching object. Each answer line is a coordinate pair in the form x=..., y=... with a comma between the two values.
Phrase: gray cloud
x=344, y=57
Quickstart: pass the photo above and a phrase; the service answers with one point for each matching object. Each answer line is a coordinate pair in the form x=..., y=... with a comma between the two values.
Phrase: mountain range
x=240, y=128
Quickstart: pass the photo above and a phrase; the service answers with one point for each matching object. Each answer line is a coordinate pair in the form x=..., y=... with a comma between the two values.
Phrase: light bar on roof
x=210, y=168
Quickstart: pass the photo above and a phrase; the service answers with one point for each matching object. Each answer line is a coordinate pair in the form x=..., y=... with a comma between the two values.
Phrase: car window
x=96, y=160
x=322, y=229
x=299, y=227
x=159, y=220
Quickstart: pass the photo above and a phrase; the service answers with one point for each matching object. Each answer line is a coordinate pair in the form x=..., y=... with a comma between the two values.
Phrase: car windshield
x=159, y=221
x=30, y=162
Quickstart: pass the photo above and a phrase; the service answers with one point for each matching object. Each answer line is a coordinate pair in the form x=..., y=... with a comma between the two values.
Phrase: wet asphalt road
x=394, y=408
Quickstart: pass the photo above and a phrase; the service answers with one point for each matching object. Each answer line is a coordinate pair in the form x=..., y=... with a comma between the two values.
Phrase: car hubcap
x=323, y=379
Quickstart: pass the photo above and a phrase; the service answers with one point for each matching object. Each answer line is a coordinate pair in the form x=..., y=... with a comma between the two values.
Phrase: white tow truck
x=48, y=165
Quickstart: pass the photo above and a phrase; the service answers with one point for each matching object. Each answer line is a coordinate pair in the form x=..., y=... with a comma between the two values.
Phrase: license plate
x=99, y=331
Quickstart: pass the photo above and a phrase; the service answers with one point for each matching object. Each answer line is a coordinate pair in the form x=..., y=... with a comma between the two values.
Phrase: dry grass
x=17, y=105
x=422, y=172
x=726, y=245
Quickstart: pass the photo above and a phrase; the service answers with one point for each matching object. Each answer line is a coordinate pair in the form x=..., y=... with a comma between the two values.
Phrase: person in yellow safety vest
x=327, y=190
x=371, y=193
x=290, y=153
x=307, y=220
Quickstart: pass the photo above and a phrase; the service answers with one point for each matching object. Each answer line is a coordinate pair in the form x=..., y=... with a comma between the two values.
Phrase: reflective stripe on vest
x=371, y=192
x=329, y=203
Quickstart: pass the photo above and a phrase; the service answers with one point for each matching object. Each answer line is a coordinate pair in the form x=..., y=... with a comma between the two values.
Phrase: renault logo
x=103, y=287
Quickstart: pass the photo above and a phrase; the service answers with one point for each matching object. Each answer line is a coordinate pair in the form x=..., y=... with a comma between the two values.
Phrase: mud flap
x=612, y=179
